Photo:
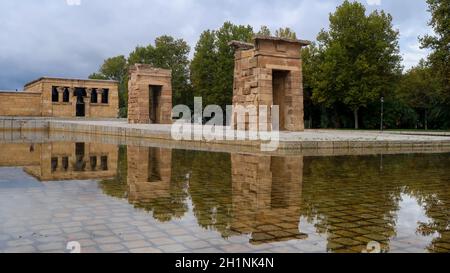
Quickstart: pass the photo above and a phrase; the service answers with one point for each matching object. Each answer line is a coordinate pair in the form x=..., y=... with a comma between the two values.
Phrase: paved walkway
x=307, y=135
x=309, y=139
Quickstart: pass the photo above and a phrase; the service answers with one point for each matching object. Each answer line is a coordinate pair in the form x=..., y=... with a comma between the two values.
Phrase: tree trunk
x=426, y=119
x=355, y=112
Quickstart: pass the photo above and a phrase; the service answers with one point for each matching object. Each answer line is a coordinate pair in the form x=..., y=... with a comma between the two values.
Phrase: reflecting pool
x=112, y=198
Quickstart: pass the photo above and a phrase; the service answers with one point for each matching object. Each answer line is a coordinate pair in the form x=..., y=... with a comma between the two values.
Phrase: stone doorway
x=279, y=80
x=80, y=107
x=154, y=103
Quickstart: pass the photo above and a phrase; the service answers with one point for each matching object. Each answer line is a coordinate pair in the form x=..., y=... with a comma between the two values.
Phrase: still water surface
x=138, y=199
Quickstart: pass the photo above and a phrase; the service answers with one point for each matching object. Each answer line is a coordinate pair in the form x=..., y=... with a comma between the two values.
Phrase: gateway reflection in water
x=219, y=202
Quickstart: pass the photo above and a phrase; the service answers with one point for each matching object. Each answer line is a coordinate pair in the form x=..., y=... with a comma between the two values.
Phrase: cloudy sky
x=71, y=38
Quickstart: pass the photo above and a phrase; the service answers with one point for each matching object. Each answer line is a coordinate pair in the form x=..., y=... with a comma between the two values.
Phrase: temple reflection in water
x=266, y=195
x=348, y=201
x=62, y=160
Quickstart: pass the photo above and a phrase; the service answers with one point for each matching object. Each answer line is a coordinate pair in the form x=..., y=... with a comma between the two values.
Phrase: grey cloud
x=49, y=37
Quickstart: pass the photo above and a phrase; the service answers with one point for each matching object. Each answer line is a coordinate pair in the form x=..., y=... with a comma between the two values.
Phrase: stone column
x=99, y=95
x=60, y=164
x=60, y=93
x=45, y=163
x=71, y=92
x=90, y=163
x=87, y=102
x=73, y=101
x=89, y=92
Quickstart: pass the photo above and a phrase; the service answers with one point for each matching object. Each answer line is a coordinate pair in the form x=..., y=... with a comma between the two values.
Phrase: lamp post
x=382, y=113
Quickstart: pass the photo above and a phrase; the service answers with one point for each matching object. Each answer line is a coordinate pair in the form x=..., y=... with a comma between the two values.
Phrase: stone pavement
x=309, y=139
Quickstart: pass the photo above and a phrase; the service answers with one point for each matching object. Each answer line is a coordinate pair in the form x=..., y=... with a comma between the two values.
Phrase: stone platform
x=290, y=142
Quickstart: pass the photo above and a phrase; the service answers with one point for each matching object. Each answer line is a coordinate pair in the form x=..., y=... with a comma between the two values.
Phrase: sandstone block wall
x=24, y=154
x=269, y=74
x=36, y=99
x=20, y=104
x=68, y=108
x=140, y=99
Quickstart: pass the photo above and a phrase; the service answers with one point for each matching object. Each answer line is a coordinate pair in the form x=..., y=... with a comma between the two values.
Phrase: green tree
x=215, y=55
x=360, y=58
x=310, y=61
x=419, y=89
x=286, y=33
x=440, y=44
x=264, y=31
x=225, y=59
x=115, y=68
x=203, y=67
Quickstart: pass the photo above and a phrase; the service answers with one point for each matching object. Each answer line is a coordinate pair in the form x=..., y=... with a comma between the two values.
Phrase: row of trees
x=351, y=66
x=356, y=64
x=208, y=75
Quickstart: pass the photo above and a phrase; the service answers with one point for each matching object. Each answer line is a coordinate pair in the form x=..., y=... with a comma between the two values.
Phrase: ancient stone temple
x=149, y=95
x=57, y=97
x=269, y=72
x=62, y=160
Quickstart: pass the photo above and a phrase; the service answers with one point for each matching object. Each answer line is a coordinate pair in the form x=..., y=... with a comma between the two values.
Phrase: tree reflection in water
x=351, y=200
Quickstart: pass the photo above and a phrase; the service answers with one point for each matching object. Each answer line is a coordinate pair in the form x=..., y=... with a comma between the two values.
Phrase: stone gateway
x=269, y=72
x=149, y=95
